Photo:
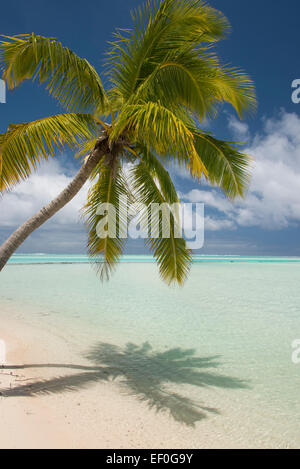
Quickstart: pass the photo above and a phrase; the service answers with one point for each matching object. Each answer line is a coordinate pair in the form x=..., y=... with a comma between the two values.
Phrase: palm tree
x=164, y=81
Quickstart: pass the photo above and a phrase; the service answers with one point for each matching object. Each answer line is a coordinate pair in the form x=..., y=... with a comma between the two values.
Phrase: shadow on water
x=142, y=372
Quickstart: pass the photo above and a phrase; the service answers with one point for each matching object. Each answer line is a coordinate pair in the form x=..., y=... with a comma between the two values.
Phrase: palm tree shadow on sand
x=141, y=372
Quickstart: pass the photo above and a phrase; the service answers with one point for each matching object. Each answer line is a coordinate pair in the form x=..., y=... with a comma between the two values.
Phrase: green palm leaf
x=159, y=173
x=108, y=189
x=227, y=167
x=69, y=78
x=24, y=146
x=161, y=30
x=199, y=84
x=161, y=129
x=171, y=252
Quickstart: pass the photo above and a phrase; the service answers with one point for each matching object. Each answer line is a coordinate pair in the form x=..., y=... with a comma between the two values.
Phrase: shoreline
x=50, y=399
x=97, y=416
x=25, y=424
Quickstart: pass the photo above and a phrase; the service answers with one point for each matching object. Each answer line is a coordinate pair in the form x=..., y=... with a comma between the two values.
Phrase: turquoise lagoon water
x=223, y=341
x=83, y=259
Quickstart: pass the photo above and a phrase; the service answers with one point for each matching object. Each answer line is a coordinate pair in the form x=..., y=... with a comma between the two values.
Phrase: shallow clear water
x=81, y=258
x=232, y=326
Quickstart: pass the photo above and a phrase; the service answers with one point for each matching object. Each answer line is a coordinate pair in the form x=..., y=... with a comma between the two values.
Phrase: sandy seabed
x=99, y=416
x=79, y=373
x=96, y=417
x=44, y=403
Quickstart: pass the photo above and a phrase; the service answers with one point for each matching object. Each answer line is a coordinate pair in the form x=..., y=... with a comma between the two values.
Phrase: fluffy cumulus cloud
x=239, y=129
x=31, y=195
x=273, y=200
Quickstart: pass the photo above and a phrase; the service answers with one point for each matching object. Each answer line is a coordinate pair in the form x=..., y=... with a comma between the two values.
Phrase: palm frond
x=160, y=175
x=162, y=130
x=194, y=79
x=69, y=78
x=86, y=147
x=161, y=31
x=233, y=86
x=24, y=146
x=170, y=252
x=106, y=193
x=226, y=166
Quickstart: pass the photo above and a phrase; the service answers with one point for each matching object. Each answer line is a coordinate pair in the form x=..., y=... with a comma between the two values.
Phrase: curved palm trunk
x=19, y=236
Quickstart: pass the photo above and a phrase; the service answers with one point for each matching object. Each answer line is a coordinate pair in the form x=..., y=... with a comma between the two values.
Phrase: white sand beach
x=97, y=417
x=100, y=415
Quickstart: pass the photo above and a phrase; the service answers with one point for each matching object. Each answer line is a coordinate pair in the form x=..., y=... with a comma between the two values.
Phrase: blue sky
x=264, y=41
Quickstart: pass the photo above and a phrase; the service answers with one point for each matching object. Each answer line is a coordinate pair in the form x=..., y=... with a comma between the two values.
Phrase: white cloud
x=213, y=224
x=211, y=198
x=31, y=195
x=239, y=129
x=273, y=201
